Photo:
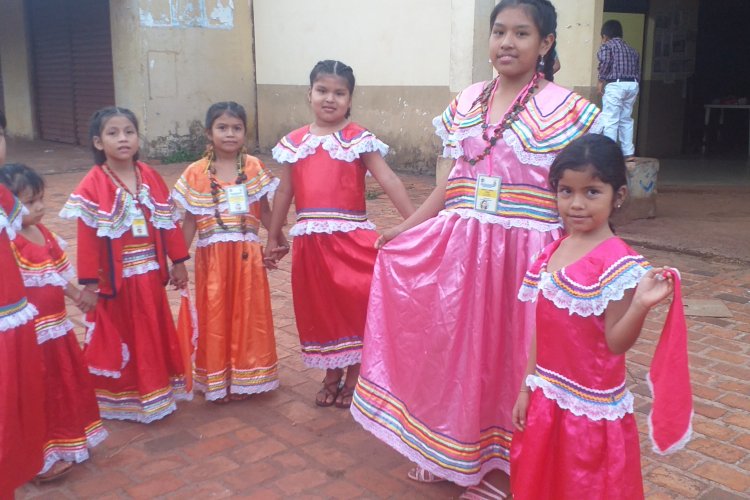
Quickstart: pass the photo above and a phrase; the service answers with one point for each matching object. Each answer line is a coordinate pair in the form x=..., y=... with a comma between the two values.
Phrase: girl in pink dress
x=577, y=436
x=73, y=421
x=447, y=338
x=324, y=170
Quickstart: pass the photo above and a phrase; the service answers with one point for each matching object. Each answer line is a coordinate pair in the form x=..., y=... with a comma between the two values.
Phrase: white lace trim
x=144, y=268
x=12, y=226
x=53, y=331
x=60, y=242
x=328, y=227
x=226, y=238
x=331, y=361
x=524, y=156
x=53, y=278
x=18, y=318
x=613, y=291
x=452, y=140
x=578, y=407
x=598, y=126
x=335, y=149
x=223, y=205
x=680, y=443
x=506, y=222
x=235, y=389
x=76, y=456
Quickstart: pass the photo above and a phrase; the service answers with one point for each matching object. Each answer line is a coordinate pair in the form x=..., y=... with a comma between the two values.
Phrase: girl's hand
x=87, y=298
x=274, y=252
x=179, y=275
x=386, y=236
x=656, y=285
x=520, y=409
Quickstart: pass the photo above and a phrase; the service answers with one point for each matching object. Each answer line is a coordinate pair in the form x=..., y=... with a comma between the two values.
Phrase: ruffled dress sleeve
x=347, y=144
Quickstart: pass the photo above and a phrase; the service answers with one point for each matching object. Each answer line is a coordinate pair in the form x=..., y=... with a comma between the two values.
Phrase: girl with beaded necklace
x=127, y=229
x=225, y=196
x=447, y=339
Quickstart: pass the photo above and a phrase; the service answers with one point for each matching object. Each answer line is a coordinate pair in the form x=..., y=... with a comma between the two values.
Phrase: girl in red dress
x=324, y=168
x=21, y=387
x=127, y=229
x=576, y=435
x=73, y=422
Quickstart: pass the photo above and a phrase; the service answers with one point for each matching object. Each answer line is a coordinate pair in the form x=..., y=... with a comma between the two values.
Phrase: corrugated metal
x=72, y=65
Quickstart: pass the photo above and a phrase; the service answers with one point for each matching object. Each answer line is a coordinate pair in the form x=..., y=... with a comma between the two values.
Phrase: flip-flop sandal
x=421, y=475
x=344, y=398
x=328, y=394
x=58, y=470
x=483, y=491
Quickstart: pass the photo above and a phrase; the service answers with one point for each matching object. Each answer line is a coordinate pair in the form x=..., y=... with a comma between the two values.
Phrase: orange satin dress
x=236, y=347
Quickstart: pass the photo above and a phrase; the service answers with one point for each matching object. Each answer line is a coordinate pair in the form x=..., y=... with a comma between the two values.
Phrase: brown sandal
x=344, y=398
x=329, y=393
x=58, y=470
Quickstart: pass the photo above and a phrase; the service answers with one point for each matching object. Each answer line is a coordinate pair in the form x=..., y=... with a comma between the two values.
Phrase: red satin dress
x=73, y=421
x=332, y=252
x=580, y=439
x=22, y=422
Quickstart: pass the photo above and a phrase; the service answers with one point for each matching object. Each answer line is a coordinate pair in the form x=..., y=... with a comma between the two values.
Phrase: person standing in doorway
x=619, y=73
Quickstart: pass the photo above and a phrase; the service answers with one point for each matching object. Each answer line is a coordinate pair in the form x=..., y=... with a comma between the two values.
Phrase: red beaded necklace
x=512, y=115
x=119, y=183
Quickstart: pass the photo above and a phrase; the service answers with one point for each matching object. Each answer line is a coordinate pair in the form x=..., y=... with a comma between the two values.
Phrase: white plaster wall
x=16, y=68
x=578, y=27
x=386, y=42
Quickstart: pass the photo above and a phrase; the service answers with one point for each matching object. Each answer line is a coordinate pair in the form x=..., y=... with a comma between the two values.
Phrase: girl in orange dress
x=73, y=421
x=225, y=199
x=127, y=229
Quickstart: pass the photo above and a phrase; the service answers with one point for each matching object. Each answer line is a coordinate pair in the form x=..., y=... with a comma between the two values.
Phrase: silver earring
x=489, y=61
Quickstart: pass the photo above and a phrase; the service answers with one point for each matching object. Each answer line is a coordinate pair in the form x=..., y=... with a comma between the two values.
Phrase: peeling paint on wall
x=213, y=14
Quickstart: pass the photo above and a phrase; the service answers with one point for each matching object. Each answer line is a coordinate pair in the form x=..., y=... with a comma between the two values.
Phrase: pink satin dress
x=446, y=339
x=580, y=439
x=332, y=251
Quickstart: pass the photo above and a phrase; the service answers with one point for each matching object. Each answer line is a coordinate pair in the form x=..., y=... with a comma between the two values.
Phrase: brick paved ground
x=281, y=445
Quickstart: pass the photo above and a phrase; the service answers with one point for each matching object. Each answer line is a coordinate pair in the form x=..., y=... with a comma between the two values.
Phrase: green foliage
x=181, y=156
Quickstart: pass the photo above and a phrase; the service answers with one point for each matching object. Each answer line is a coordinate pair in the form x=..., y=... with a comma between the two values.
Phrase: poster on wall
x=674, y=45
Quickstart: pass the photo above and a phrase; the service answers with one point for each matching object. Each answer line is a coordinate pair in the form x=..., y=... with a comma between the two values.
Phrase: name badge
x=139, y=227
x=237, y=199
x=487, y=193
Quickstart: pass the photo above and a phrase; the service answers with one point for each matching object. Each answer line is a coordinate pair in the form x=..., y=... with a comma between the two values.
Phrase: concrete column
x=579, y=23
x=15, y=52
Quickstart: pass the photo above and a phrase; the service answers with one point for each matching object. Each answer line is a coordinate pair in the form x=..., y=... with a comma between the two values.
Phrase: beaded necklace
x=119, y=183
x=511, y=116
x=216, y=190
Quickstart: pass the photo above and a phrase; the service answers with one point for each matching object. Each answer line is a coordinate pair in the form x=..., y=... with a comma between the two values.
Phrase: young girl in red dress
x=324, y=168
x=127, y=229
x=73, y=422
x=576, y=435
x=21, y=387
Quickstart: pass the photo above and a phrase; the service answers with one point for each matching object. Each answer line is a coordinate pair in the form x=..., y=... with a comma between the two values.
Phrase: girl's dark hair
x=3, y=123
x=229, y=107
x=597, y=151
x=18, y=177
x=543, y=13
x=96, y=125
x=332, y=67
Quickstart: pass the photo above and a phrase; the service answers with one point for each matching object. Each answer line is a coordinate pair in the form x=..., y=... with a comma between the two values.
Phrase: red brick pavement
x=280, y=445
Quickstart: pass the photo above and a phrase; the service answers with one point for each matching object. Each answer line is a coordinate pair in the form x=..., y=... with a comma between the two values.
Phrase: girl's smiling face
x=227, y=134
x=516, y=44
x=330, y=99
x=585, y=202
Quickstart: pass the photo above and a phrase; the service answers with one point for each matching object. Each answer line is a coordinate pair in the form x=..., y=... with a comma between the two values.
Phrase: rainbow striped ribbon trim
x=516, y=201
x=333, y=214
x=389, y=413
x=609, y=397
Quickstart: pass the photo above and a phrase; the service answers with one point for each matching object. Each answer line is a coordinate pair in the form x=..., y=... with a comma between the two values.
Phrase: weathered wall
x=174, y=58
x=578, y=26
x=408, y=66
x=16, y=68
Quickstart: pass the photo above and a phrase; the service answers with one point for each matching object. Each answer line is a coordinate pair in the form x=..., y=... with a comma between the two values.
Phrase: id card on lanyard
x=139, y=228
x=237, y=199
x=487, y=193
